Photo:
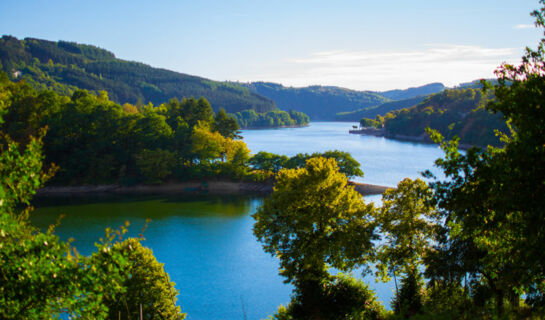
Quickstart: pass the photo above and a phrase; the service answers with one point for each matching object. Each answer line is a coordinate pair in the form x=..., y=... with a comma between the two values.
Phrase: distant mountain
x=328, y=102
x=318, y=102
x=424, y=90
x=64, y=66
x=382, y=109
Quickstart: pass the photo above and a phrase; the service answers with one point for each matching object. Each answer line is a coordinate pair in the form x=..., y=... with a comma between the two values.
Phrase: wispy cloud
x=380, y=70
x=524, y=26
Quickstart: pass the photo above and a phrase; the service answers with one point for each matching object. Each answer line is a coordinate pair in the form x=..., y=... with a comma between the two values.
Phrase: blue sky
x=364, y=45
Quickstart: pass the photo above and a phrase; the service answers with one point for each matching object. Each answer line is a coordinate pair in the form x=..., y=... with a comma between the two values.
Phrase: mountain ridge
x=65, y=66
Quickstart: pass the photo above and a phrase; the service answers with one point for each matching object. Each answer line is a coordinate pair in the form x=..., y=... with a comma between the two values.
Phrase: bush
x=342, y=298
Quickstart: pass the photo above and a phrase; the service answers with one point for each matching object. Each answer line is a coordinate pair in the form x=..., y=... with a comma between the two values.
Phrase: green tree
x=155, y=165
x=314, y=220
x=268, y=161
x=207, y=145
x=145, y=283
x=347, y=164
x=408, y=224
x=493, y=199
x=40, y=278
x=409, y=301
x=341, y=297
x=226, y=125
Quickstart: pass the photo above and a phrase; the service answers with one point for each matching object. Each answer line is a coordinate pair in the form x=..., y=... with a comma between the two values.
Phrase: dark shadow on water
x=103, y=208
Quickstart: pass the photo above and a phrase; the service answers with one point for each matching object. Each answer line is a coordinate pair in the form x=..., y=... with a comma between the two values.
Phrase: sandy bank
x=199, y=187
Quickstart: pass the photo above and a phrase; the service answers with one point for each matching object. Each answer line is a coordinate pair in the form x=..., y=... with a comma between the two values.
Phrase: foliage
x=108, y=143
x=366, y=123
x=268, y=161
x=314, y=220
x=454, y=112
x=272, y=162
x=64, y=66
x=224, y=124
x=40, y=276
x=275, y=118
x=409, y=300
x=155, y=165
x=145, y=283
x=342, y=298
x=492, y=201
x=408, y=224
x=448, y=301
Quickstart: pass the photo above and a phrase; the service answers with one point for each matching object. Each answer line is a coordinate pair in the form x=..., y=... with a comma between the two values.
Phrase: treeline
x=467, y=245
x=94, y=140
x=454, y=112
x=270, y=119
x=66, y=66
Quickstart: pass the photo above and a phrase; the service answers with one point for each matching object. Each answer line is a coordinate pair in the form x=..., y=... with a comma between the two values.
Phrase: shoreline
x=277, y=127
x=191, y=187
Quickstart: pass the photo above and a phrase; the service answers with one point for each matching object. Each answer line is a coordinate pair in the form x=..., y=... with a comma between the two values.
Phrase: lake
x=206, y=242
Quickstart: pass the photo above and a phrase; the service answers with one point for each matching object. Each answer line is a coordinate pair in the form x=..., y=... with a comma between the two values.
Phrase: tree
x=492, y=200
x=409, y=300
x=155, y=165
x=207, y=145
x=408, y=224
x=145, y=283
x=43, y=277
x=268, y=161
x=347, y=164
x=342, y=297
x=314, y=220
x=224, y=124
x=40, y=277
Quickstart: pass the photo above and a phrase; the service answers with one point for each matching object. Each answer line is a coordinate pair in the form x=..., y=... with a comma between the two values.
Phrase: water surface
x=206, y=242
x=383, y=161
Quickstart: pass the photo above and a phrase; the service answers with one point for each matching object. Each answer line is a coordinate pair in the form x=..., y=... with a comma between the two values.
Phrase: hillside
x=424, y=90
x=318, y=102
x=459, y=112
x=64, y=66
x=382, y=109
x=327, y=102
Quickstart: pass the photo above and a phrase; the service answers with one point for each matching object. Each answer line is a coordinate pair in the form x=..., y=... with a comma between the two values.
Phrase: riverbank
x=192, y=187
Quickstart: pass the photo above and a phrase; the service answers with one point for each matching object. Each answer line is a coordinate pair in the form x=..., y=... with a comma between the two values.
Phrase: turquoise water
x=206, y=243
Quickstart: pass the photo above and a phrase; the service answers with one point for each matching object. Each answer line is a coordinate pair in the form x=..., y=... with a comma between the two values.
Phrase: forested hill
x=325, y=102
x=372, y=112
x=459, y=112
x=64, y=66
x=318, y=102
x=409, y=93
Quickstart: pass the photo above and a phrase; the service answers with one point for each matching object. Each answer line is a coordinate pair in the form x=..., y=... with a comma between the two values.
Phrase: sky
x=362, y=45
